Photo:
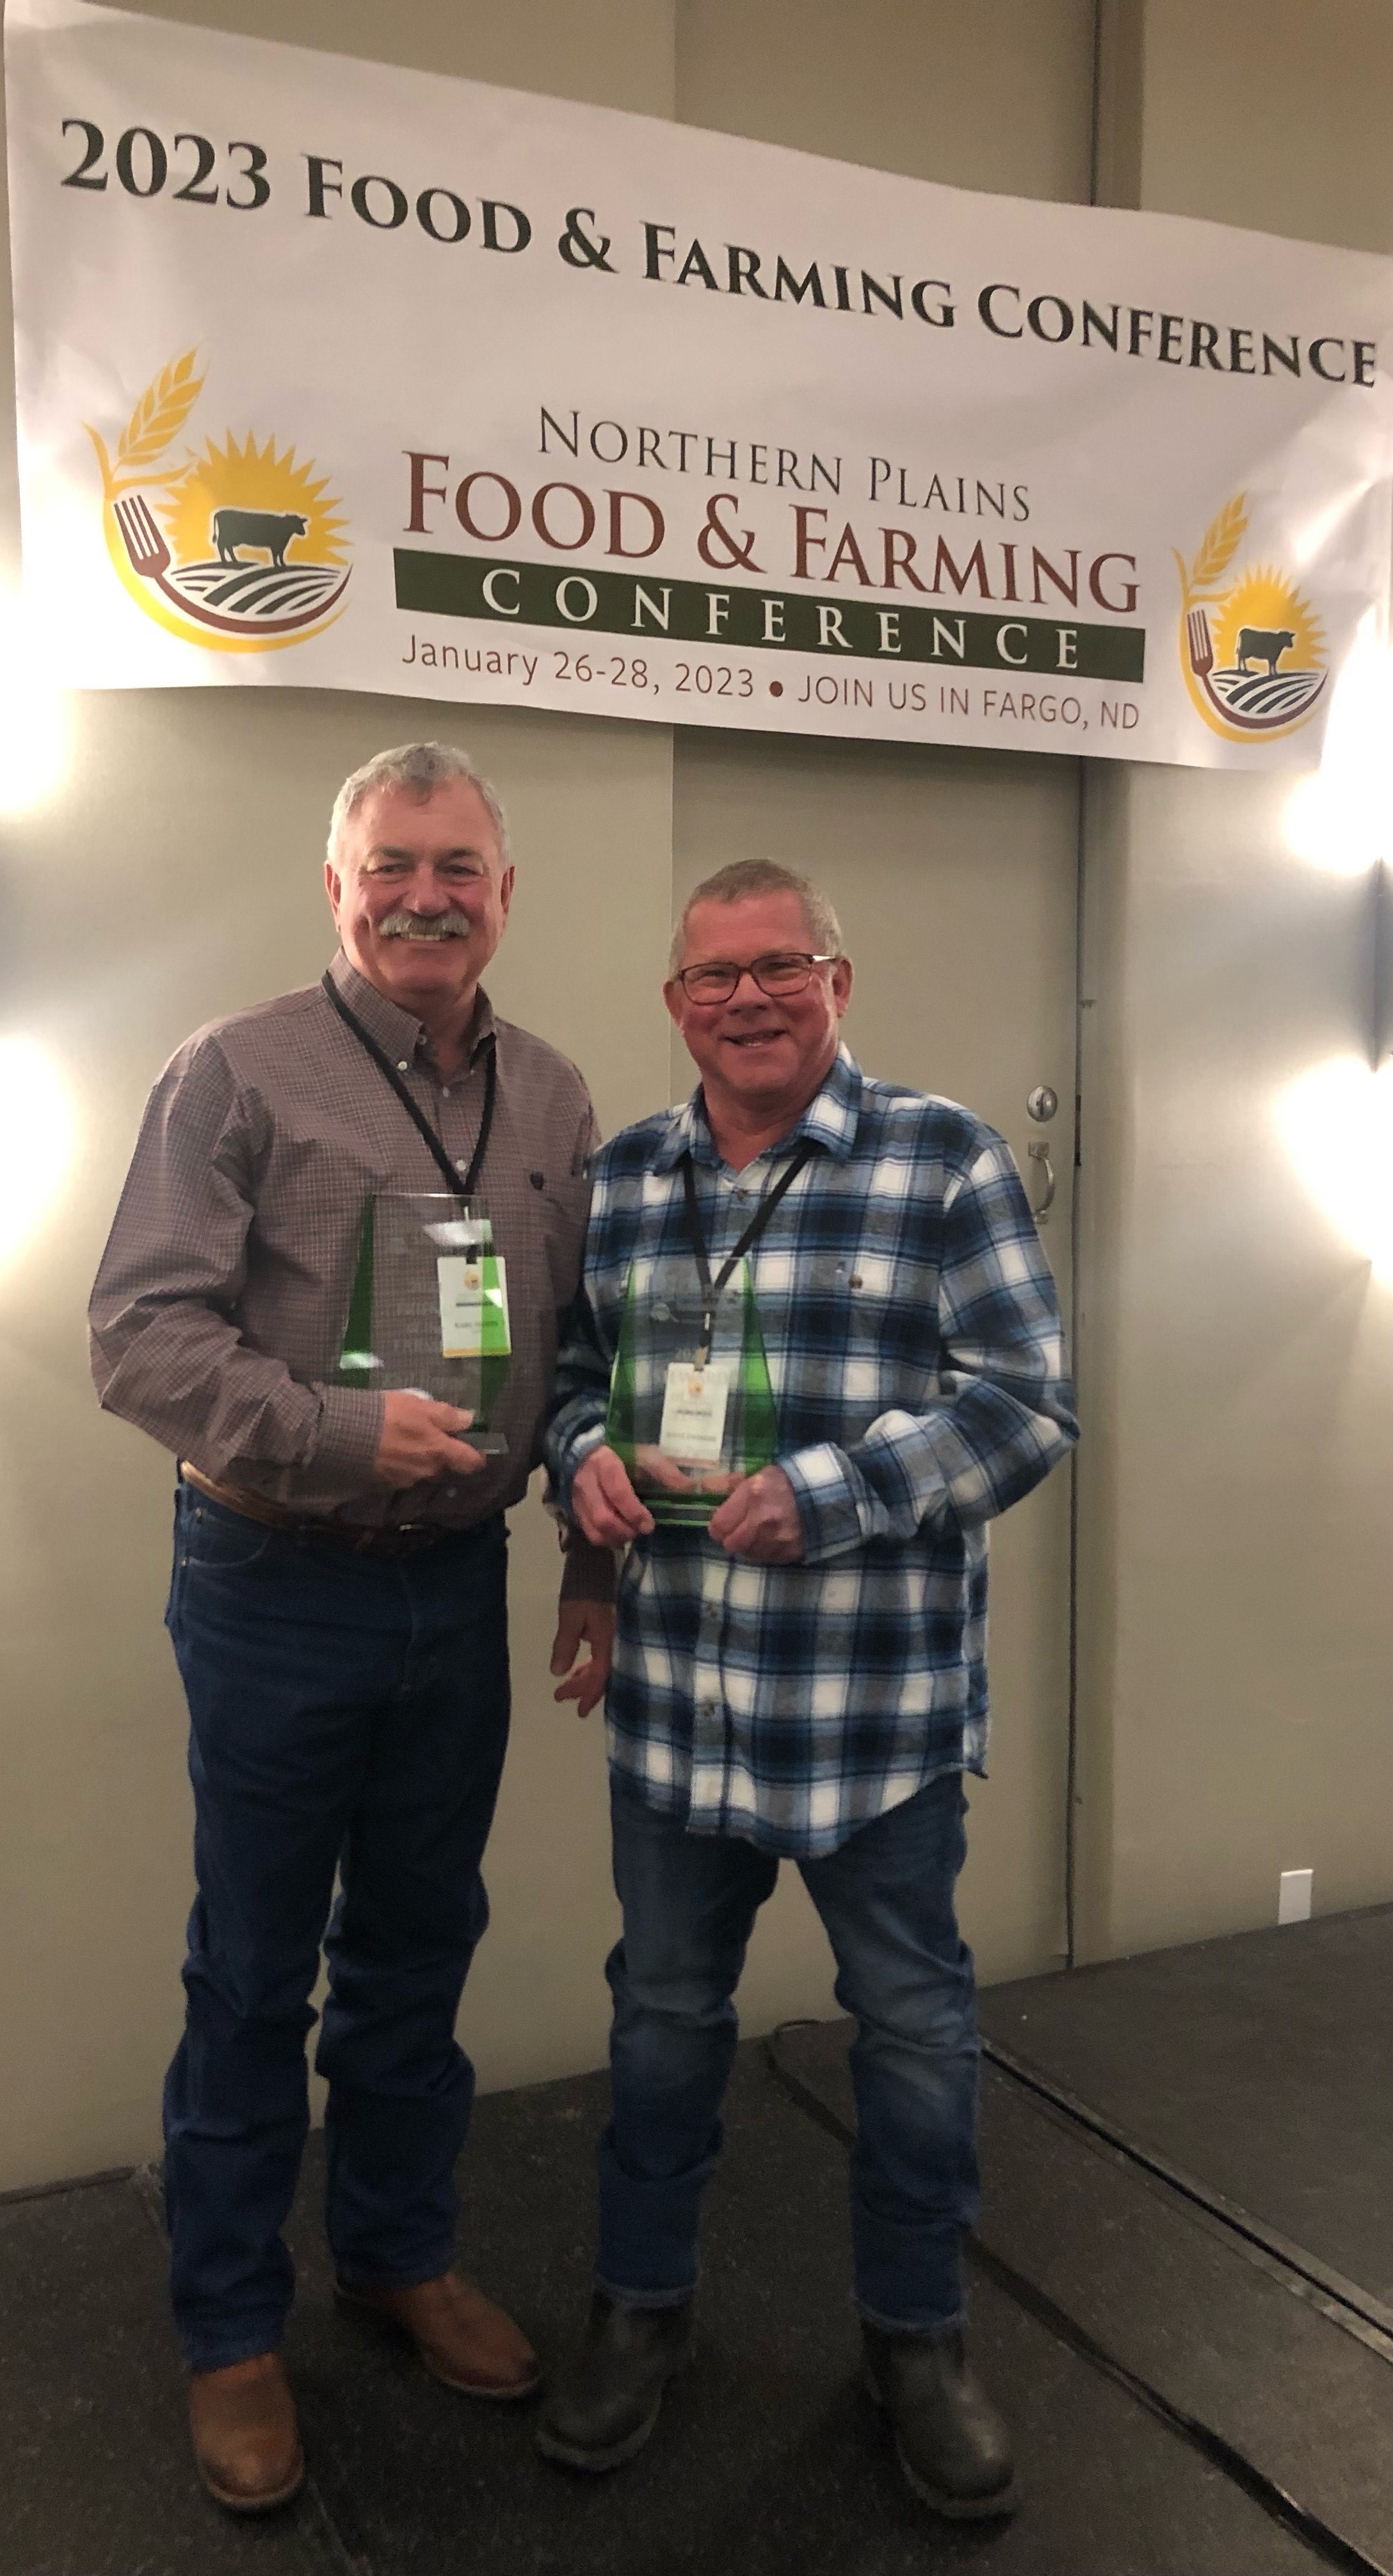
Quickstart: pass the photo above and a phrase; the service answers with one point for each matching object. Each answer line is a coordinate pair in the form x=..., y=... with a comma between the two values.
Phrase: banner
x=339, y=376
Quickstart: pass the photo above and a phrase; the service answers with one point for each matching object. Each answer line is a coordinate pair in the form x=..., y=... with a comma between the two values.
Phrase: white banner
x=348, y=377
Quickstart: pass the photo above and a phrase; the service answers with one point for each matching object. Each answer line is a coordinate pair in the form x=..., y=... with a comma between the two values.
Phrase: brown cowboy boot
x=461, y=2336
x=245, y=2437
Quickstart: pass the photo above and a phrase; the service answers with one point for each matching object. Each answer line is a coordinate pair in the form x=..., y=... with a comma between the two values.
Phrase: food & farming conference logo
x=1251, y=648
x=236, y=547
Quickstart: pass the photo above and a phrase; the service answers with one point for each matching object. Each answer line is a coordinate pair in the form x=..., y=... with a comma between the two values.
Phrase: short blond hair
x=745, y=877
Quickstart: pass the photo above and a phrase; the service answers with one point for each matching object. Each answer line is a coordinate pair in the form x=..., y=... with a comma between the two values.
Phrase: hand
x=419, y=1440
x=760, y=1520
x=604, y=1501
x=583, y=1623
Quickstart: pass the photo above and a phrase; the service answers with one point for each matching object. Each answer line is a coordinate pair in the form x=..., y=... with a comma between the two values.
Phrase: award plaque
x=428, y=1310
x=691, y=1408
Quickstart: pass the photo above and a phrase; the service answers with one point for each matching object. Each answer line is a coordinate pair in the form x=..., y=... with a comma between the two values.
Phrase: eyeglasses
x=783, y=972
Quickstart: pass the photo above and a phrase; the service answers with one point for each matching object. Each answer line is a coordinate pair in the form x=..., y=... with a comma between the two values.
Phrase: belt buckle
x=393, y=1538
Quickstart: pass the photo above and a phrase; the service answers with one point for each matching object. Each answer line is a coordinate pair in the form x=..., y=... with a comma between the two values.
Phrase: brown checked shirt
x=218, y=1312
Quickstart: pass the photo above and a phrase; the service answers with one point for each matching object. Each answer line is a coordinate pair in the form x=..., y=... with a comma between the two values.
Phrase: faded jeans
x=886, y=1902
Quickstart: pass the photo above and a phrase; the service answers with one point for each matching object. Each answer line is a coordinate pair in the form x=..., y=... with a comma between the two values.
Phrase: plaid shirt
x=914, y=1346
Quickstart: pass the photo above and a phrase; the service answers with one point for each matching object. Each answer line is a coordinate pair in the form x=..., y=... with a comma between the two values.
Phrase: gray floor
x=1261, y=2064
x=768, y=2457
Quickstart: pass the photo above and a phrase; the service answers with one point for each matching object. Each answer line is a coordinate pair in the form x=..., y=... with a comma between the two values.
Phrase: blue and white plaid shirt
x=914, y=1346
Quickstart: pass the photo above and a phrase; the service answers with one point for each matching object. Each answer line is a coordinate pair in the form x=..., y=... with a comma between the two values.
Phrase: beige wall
x=992, y=95
x=1232, y=1366
x=1282, y=121
x=1234, y=1343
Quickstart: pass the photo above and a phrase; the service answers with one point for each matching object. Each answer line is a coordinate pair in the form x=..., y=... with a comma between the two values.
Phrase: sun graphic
x=247, y=477
x=1265, y=600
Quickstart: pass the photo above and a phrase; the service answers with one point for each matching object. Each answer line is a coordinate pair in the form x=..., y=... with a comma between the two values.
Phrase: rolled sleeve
x=568, y=1442
x=885, y=1487
x=1003, y=1417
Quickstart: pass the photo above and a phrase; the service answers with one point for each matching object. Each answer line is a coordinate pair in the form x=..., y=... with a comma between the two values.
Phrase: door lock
x=1042, y=1103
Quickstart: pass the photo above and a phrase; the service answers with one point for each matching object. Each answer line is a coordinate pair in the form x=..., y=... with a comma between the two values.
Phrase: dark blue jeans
x=886, y=1902
x=348, y=1714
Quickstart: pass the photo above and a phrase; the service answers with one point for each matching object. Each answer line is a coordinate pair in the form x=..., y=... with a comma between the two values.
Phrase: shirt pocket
x=864, y=1339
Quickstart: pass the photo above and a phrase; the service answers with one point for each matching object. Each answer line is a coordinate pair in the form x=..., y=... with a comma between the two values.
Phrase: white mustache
x=416, y=925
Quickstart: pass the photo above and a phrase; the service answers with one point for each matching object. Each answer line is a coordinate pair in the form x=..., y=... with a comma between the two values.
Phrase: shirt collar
x=829, y=1120
x=399, y=1033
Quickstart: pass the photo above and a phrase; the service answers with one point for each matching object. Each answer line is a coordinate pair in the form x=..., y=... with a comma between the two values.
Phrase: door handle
x=1039, y=1152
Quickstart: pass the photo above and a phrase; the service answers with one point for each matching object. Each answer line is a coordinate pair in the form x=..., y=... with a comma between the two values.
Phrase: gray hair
x=421, y=768
x=746, y=877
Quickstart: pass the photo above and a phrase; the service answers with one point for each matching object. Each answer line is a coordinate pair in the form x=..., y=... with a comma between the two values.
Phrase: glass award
x=689, y=1417
x=428, y=1310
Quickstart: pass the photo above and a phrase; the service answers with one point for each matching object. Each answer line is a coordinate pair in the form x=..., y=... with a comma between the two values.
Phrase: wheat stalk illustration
x=156, y=421
x=1218, y=546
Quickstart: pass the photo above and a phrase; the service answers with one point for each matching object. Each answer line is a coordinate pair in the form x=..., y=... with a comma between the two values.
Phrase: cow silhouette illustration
x=1258, y=644
x=271, y=529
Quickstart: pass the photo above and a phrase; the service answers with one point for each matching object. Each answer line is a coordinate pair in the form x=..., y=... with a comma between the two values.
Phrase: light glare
x=1337, y=816
x=1337, y=1125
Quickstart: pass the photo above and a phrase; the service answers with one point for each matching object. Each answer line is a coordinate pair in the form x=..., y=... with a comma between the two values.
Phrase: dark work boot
x=604, y=2404
x=950, y=2440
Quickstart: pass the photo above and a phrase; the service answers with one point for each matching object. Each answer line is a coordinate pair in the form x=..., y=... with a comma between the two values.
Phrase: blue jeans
x=348, y=1714
x=886, y=1902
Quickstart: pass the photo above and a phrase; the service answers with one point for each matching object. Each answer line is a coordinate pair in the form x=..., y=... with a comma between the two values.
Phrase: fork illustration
x=146, y=547
x=150, y=556
x=1201, y=649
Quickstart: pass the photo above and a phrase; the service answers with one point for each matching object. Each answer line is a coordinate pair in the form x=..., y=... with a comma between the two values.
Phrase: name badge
x=694, y=1411
x=473, y=1307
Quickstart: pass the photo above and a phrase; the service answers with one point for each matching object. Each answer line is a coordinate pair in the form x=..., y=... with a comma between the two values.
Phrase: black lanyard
x=711, y=1288
x=449, y=1173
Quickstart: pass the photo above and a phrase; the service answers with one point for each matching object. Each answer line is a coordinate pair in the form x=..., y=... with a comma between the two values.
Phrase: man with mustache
x=805, y=1676
x=338, y=1606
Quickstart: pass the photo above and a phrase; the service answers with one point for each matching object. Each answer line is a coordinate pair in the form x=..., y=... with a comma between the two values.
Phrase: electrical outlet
x=1294, y=1896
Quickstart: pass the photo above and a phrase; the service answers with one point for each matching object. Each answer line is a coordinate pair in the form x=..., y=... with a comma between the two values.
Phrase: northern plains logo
x=1251, y=647
x=236, y=546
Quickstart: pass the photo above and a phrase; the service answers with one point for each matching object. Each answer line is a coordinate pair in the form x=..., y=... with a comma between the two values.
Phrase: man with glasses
x=804, y=1676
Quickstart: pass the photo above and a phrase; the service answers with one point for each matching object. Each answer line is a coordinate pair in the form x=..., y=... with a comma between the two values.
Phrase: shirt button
x=402, y=1065
x=444, y=1091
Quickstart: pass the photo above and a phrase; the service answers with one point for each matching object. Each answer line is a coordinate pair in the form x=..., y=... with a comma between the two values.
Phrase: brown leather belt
x=401, y=1538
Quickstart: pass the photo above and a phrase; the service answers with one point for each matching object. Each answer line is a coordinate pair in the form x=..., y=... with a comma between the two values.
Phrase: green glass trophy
x=691, y=1409
x=428, y=1310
